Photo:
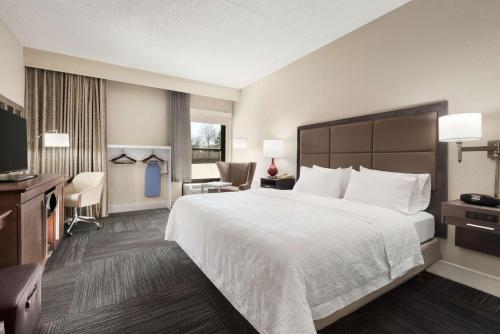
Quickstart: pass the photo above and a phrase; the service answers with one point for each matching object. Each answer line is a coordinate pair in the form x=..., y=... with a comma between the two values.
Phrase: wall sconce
x=467, y=127
x=51, y=138
x=54, y=139
x=240, y=143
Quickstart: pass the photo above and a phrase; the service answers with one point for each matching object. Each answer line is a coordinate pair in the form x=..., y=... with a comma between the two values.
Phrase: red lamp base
x=272, y=170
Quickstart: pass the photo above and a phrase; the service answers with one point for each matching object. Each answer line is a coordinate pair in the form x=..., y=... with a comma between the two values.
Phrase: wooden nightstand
x=476, y=227
x=281, y=184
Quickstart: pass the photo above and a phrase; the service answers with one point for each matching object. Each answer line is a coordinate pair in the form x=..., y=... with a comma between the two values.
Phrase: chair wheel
x=68, y=234
x=99, y=226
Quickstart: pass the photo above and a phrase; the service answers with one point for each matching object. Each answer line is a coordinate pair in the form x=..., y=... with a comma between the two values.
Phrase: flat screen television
x=13, y=146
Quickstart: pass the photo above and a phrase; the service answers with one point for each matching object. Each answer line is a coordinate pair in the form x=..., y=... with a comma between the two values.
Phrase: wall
x=424, y=51
x=137, y=115
x=75, y=65
x=208, y=103
x=11, y=66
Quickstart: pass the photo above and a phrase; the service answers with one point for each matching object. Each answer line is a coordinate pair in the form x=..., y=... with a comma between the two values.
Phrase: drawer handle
x=483, y=227
x=28, y=300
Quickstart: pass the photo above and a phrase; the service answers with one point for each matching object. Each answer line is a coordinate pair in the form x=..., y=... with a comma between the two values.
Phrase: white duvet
x=284, y=258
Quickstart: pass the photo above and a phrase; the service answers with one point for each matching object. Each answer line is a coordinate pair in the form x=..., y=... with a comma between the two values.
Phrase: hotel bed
x=293, y=262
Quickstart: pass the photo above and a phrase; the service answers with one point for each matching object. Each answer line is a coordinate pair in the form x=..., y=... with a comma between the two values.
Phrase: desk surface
x=27, y=185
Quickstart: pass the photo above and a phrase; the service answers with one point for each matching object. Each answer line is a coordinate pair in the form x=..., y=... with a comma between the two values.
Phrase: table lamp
x=467, y=127
x=273, y=148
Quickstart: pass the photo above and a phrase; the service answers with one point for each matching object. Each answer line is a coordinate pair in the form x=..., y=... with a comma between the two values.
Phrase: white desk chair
x=85, y=190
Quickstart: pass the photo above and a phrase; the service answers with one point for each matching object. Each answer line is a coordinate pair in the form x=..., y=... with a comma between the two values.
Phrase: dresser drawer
x=473, y=224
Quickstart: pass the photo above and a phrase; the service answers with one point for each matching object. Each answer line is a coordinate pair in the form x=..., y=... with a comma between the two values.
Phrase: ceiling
x=225, y=42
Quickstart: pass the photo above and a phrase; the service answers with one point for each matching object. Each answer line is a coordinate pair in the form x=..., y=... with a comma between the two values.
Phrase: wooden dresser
x=33, y=219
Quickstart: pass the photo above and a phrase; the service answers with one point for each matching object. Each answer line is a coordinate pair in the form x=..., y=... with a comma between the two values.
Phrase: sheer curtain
x=179, y=135
x=72, y=104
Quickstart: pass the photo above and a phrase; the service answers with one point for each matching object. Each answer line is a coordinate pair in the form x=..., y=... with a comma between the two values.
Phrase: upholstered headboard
x=403, y=140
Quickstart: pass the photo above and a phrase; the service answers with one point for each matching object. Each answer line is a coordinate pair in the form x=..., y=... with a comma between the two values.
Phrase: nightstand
x=281, y=184
x=476, y=227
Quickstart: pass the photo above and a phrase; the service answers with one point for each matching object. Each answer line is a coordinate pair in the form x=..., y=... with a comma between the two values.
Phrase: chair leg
x=76, y=218
x=73, y=222
x=92, y=220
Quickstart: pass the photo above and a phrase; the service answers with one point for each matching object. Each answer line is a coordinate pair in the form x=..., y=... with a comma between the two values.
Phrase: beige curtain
x=179, y=135
x=72, y=104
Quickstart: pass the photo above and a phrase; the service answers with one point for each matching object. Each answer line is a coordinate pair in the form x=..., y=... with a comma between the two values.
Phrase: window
x=208, y=146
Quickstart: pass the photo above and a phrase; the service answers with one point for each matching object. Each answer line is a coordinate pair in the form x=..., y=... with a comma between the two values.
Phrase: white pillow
x=422, y=192
x=344, y=178
x=318, y=182
x=382, y=189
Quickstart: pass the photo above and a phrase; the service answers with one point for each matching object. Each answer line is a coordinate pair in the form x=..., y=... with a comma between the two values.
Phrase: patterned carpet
x=126, y=279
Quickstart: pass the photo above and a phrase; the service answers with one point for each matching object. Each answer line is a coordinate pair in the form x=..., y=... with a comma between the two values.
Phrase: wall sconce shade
x=273, y=148
x=50, y=139
x=466, y=127
x=460, y=127
x=240, y=143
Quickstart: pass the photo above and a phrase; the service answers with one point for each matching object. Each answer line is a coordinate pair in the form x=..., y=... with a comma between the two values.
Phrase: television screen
x=13, y=142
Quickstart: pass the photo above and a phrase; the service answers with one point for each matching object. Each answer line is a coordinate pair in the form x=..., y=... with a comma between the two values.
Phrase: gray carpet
x=126, y=279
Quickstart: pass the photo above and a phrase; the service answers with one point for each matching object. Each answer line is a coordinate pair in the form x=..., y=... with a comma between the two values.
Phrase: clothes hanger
x=128, y=160
x=153, y=156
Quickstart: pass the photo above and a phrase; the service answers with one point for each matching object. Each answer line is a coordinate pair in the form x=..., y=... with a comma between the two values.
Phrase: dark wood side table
x=476, y=227
x=281, y=184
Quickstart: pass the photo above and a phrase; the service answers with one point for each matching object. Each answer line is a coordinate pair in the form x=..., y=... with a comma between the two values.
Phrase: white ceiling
x=226, y=42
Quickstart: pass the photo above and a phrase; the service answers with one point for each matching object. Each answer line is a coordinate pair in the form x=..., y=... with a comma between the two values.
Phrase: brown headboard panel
x=403, y=140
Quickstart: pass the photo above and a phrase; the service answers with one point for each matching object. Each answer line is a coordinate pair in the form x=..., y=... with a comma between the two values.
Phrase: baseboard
x=125, y=207
x=466, y=276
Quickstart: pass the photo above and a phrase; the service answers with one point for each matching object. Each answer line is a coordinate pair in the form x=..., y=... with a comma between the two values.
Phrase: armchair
x=240, y=174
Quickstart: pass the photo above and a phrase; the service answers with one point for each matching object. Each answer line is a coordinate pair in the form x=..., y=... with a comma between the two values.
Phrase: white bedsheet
x=284, y=258
x=424, y=225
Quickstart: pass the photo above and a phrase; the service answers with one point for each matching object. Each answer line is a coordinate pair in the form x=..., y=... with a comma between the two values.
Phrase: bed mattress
x=424, y=225
x=284, y=259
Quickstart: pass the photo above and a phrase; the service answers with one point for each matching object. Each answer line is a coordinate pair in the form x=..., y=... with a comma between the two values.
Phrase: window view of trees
x=205, y=135
x=206, y=142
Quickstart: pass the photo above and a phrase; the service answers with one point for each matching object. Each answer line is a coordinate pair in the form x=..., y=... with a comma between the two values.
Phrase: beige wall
x=75, y=65
x=425, y=51
x=11, y=66
x=208, y=103
x=137, y=115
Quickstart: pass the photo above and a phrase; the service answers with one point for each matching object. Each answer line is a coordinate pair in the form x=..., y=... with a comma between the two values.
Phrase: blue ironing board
x=153, y=179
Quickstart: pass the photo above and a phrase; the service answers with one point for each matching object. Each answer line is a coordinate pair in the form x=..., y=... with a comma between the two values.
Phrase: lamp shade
x=240, y=143
x=460, y=127
x=55, y=139
x=273, y=148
